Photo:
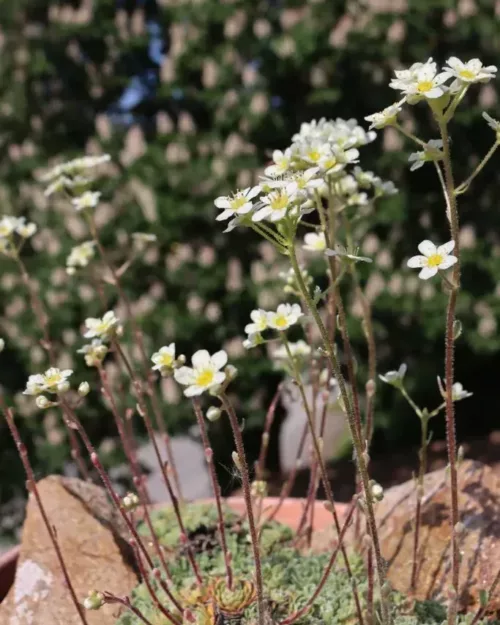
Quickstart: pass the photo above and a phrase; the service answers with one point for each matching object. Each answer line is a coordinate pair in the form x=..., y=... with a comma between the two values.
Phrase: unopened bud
x=459, y=528
x=265, y=439
x=2, y=345
x=94, y=600
x=370, y=387
x=42, y=402
x=377, y=492
x=236, y=460
x=231, y=372
x=460, y=454
x=213, y=413
x=180, y=360
x=130, y=501
x=84, y=389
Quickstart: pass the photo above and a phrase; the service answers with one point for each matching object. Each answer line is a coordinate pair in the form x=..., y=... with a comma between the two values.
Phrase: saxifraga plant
x=251, y=569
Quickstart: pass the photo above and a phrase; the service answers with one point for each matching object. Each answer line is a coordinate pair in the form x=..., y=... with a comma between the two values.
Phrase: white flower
x=395, y=378
x=315, y=242
x=358, y=199
x=43, y=402
x=205, y=373
x=52, y=381
x=253, y=340
x=365, y=179
x=420, y=81
x=142, y=238
x=385, y=187
x=431, y=152
x=238, y=204
x=164, y=359
x=130, y=501
x=83, y=389
x=337, y=159
x=314, y=152
x=299, y=350
x=25, y=230
x=80, y=255
x=276, y=204
x=285, y=316
x=304, y=181
x=433, y=259
x=282, y=163
x=259, y=318
x=384, y=118
x=458, y=392
x=104, y=327
x=467, y=73
x=88, y=199
x=8, y=225
x=94, y=353
x=75, y=166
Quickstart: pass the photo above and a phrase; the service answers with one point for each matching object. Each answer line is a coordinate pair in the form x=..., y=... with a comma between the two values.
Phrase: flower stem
x=216, y=490
x=449, y=373
x=424, y=419
x=357, y=442
x=245, y=478
x=32, y=487
x=462, y=188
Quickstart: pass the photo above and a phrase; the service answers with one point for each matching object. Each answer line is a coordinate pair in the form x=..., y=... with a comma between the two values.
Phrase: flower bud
x=180, y=360
x=236, y=460
x=213, y=413
x=84, y=389
x=42, y=402
x=259, y=488
x=2, y=345
x=377, y=492
x=130, y=501
x=370, y=388
x=231, y=372
x=94, y=600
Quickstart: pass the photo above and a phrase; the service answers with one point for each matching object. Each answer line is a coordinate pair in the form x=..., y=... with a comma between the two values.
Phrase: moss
x=290, y=576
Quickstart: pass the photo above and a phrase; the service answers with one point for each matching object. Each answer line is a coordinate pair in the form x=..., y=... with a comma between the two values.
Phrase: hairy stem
x=420, y=494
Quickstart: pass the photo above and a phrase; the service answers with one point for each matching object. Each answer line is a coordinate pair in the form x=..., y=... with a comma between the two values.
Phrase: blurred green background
x=190, y=98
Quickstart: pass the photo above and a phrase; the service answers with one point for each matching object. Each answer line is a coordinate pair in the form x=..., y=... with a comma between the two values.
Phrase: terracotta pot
x=289, y=514
x=8, y=562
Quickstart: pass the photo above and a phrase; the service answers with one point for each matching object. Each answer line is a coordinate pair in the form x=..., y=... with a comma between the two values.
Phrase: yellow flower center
x=434, y=260
x=331, y=162
x=238, y=202
x=261, y=324
x=101, y=327
x=5, y=231
x=467, y=74
x=282, y=163
x=205, y=377
x=53, y=379
x=279, y=202
x=166, y=360
x=314, y=155
x=424, y=86
x=281, y=321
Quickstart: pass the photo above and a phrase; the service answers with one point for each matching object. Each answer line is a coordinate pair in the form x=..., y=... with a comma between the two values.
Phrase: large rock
x=479, y=504
x=91, y=537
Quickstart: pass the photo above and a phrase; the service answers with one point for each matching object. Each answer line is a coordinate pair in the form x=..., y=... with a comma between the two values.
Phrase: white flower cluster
x=281, y=320
x=9, y=228
x=80, y=256
x=318, y=157
x=72, y=175
x=53, y=381
x=424, y=81
x=101, y=330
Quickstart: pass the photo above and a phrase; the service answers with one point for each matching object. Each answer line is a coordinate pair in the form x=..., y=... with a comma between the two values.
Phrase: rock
x=91, y=537
x=479, y=506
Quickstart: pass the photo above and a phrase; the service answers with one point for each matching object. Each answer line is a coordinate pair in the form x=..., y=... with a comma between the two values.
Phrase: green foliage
x=290, y=578
x=238, y=79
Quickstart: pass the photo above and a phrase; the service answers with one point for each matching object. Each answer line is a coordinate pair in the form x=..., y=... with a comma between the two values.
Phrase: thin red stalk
x=326, y=573
x=420, y=493
x=260, y=465
x=245, y=478
x=216, y=491
x=94, y=458
x=481, y=610
x=110, y=598
x=23, y=454
x=371, y=584
x=131, y=456
x=140, y=342
x=145, y=578
x=163, y=465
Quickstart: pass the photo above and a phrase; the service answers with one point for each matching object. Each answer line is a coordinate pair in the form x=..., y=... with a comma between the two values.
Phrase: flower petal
x=417, y=261
x=427, y=272
x=427, y=248
x=448, y=262
x=222, y=202
x=200, y=359
x=193, y=391
x=446, y=248
x=184, y=375
x=219, y=359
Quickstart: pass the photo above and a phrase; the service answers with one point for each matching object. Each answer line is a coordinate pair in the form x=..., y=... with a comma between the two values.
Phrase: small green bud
x=94, y=600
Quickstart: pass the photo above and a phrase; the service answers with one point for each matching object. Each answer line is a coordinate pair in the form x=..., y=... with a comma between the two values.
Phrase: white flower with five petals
x=282, y=163
x=422, y=80
x=467, y=73
x=315, y=242
x=285, y=316
x=103, y=328
x=88, y=199
x=205, y=373
x=164, y=358
x=238, y=204
x=433, y=258
x=276, y=204
x=384, y=118
x=259, y=322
